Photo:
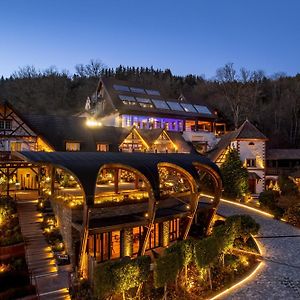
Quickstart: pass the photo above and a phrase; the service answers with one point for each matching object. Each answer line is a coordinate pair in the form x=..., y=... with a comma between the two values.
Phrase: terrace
x=98, y=198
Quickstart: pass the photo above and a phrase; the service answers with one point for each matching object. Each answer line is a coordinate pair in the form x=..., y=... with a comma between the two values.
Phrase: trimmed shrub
x=243, y=226
x=207, y=252
x=166, y=269
x=184, y=250
x=225, y=236
x=269, y=200
x=120, y=276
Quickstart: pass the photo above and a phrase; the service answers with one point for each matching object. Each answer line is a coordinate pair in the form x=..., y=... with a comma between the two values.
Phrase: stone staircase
x=49, y=281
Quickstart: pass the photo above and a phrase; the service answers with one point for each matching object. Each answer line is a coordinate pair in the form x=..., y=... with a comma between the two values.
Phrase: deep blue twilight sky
x=186, y=36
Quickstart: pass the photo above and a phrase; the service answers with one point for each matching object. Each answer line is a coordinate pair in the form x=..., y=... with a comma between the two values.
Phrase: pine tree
x=235, y=175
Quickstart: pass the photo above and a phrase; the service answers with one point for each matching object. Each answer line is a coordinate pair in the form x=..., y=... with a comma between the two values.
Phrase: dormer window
x=102, y=147
x=251, y=144
x=72, y=146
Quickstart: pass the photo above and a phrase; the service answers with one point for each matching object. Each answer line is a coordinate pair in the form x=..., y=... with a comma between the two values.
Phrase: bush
x=166, y=269
x=269, y=200
x=287, y=186
x=184, y=251
x=243, y=225
x=292, y=215
x=120, y=276
x=225, y=236
x=207, y=252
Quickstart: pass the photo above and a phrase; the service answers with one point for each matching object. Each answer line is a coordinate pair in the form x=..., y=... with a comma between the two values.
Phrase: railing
x=280, y=171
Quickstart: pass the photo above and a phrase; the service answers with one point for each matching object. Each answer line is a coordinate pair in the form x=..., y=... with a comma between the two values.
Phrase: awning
x=253, y=175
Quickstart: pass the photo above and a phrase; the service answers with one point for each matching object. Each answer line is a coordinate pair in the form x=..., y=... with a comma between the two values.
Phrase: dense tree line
x=271, y=103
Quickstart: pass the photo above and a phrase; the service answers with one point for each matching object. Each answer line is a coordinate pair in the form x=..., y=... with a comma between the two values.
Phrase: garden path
x=50, y=282
x=279, y=276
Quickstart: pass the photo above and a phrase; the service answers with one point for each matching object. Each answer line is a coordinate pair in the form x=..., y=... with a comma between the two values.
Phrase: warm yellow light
x=93, y=123
x=242, y=205
x=4, y=268
x=144, y=142
x=219, y=296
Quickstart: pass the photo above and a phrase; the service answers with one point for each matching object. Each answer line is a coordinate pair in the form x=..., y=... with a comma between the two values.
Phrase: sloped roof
x=246, y=131
x=57, y=130
x=179, y=141
x=249, y=131
x=283, y=154
x=151, y=135
x=108, y=84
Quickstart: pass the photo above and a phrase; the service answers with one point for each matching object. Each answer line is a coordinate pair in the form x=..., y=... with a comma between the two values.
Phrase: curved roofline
x=86, y=165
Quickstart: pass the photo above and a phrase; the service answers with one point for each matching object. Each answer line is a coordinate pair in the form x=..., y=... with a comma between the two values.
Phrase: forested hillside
x=271, y=103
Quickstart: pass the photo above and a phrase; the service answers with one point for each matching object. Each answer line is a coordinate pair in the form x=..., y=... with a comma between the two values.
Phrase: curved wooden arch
x=183, y=171
x=217, y=191
x=194, y=195
x=55, y=166
x=151, y=201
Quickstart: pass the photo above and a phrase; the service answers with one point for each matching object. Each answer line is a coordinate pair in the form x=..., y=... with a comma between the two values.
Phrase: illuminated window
x=16, y=146
x=104, y=246
x=190, y=125
x=174, y=229
x=251, y=162
x=5, y=125
x=72, y=146
x=102, y=147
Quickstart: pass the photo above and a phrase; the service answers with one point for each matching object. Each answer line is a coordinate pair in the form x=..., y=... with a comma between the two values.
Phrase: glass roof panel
x=143, y=100
x=188, y=107
x=121, y=88
x=175, y=106
x=160, y=104
x=202, y=109
x=137, y=90
x=126, y=98
x=153, y=92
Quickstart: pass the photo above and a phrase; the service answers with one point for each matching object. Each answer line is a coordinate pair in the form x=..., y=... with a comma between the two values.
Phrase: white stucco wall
x=257, y=152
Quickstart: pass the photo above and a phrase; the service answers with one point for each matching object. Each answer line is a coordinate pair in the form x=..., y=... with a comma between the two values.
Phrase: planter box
x=16, y=250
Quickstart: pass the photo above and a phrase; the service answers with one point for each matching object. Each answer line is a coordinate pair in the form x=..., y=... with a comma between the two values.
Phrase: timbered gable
x=11, y=124
x=164, y=143
x=134, y=142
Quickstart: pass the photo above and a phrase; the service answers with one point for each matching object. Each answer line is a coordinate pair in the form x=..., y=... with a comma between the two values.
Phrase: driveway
x=279, y=277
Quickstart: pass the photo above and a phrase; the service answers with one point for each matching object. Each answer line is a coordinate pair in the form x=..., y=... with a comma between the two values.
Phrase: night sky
x=186, y=36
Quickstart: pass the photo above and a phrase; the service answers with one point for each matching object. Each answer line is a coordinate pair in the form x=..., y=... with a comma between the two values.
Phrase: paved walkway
x=51, y=283
x=279, y=278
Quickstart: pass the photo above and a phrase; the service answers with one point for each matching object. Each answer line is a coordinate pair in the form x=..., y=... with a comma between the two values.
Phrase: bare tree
x=232, y=89
x=93, y=69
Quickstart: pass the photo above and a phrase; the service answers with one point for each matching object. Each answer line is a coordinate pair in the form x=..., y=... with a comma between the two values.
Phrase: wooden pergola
x=85, y=167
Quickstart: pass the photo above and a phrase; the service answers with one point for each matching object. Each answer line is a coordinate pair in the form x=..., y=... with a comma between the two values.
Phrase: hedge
x=120, y=276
